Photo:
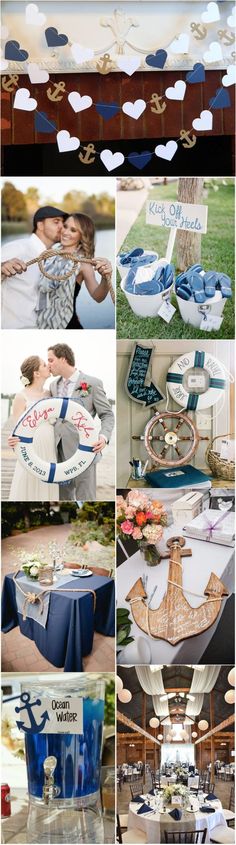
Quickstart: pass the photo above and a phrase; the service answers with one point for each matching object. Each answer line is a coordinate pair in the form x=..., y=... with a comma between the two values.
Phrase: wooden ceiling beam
x=134, y=727
x=217, y=728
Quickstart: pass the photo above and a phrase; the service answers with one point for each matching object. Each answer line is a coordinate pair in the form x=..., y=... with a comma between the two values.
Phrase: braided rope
x=49, y=253
x=33, y=598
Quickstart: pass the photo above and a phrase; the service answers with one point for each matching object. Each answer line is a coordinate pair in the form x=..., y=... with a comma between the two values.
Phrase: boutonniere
x=84, y=388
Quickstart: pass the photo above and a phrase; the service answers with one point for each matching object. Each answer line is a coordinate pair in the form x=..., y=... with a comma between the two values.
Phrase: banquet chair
x=137, y=788
x=222, y=835
x=229, y=813
x=182, y=836
x=131, y=836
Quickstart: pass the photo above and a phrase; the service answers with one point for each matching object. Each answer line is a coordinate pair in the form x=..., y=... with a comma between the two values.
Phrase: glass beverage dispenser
x=63, y=726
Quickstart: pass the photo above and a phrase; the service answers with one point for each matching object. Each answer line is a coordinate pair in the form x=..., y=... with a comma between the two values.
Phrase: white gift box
x=187, y=507
x=213, y=526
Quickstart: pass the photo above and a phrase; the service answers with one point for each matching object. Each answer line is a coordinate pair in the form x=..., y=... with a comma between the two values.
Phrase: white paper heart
x=33, y=16
x=24, y=101
x=66, y=142
x=79, y=103
x=129, y=64
x=204, y=122
x=134, y=109
x=214, y=54
x=81, y=54
x=4, y=32
x=230, y=76
x=212, y=13
x=37, y=75
x=111, y=160
x=166, y=151
x=180, y=44
x=177, y=92
x=231, y=21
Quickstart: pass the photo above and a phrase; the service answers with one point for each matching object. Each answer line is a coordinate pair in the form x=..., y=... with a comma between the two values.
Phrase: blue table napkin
x=144, y=809
x=138, y=800
x=205, y=809
x=211, y=797
x=176, y=814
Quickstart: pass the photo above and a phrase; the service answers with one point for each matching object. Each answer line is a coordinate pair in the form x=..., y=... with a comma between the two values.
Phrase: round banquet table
x=153, y=824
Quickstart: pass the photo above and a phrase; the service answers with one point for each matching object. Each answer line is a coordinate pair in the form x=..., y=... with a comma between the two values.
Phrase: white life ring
x=56, y=409
x=198, y=390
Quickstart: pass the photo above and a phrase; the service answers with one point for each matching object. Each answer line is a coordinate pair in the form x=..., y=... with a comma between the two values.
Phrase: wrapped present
x=213, y=526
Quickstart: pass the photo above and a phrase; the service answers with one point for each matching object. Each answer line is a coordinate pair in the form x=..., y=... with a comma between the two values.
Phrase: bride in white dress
x=26, y=487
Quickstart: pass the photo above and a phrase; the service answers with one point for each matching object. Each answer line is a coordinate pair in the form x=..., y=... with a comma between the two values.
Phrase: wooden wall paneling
x=91, y=124
x=23, y=128
x=192, y=105
x=53, y=110
x=111, y=93
x=229, y=116
x=6, y=122
x=154, y=123
x=211, y=85
x=132, y=88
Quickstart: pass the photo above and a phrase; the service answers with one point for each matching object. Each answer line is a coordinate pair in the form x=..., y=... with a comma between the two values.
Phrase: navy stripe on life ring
x=177, y=378
x=199, y=359
x=64, y=406
x=86, y=448
x=217, y=382
x=52, y=471
x=192, y=402
x=25, y=439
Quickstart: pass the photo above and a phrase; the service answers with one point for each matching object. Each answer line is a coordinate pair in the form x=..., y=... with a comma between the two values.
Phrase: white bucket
x=147, y=305
x=123, y=268
x=193, y=312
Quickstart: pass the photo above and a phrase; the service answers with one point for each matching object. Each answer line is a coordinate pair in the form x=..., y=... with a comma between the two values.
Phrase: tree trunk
x=189, y=243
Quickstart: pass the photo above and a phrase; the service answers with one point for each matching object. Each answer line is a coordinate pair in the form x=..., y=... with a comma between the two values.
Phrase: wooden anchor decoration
x=175, y=620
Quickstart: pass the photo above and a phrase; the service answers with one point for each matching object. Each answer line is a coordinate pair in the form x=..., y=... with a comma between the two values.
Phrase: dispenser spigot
x=49, y=790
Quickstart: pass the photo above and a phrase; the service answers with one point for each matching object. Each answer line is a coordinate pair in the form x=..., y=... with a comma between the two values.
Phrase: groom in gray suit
x=90, y=393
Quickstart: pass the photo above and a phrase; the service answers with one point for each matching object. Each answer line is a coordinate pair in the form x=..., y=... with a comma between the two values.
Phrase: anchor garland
x=129, y=64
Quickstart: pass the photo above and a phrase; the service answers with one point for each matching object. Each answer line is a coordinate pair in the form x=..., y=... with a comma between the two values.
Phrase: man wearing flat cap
x=20, y=283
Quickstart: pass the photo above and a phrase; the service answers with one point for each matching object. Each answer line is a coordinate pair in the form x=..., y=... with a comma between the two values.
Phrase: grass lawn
x=217, y=254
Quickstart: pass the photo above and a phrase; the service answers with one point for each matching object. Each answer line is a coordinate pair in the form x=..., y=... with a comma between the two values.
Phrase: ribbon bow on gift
x=211, y=526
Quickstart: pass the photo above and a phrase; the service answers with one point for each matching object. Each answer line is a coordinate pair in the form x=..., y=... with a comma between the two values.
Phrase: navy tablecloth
x=68, y=636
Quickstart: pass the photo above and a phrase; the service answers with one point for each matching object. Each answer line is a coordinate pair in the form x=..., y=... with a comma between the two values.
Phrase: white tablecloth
x=205, y=559
x=153, y=824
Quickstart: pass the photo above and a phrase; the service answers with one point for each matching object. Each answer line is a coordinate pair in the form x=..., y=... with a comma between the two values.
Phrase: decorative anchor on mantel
x=175, y=620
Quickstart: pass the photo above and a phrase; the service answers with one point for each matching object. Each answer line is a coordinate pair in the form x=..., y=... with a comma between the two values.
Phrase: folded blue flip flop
x=196, y=283
x=150, y=288
x=195, y=268
x=125, y=257
x=142, y=260
x=181, y=278
x=168, y=275
x=184, y=291
x=224, y=283
x=129, y=282
x=210, y=279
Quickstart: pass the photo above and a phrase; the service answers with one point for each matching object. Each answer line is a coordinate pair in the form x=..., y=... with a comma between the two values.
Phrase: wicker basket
x=220, y=467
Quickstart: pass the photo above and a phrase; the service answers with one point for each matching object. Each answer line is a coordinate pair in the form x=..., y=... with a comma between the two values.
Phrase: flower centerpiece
x=31, y=564
x=176, y=789
x=142, y=519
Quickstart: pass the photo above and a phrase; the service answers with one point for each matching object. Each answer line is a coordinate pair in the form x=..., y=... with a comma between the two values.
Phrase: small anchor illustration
x=11, y=83
x=190, y=140
x=233, y=58
x=34, y=727
x=53, y=95
x=225, y=36
x=200, y=30
x=105, y=64
x=158, y=107
x=89, y=156
x=175, y=620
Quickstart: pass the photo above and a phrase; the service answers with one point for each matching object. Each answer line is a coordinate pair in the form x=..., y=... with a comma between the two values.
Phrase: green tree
x=13, y=203
x=32, y=198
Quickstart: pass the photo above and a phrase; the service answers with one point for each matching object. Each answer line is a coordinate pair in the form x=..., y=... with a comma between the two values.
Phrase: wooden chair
x=229, y=813
x=136, y=789
x=131, y=836
x=182, y=836
x=222, y=835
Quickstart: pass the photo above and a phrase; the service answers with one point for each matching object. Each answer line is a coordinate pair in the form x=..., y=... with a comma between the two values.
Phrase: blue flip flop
x=181, y=278
x=224, y=284
x=184, y=291
x=196, y=283
x=125, y=257
x=168, y=275
x=129, y=282
x=210, y=280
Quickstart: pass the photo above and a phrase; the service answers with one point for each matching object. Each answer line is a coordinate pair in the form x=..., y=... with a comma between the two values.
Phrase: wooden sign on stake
x=176, y=215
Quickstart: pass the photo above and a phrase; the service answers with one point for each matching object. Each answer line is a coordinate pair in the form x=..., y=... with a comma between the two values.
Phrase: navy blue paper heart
x=43, y=124
x=13, y=51
x=157, y=59
x=197, y=74
x=107, y=110
x=221, y=100
x=140, y=160
x=55, y=38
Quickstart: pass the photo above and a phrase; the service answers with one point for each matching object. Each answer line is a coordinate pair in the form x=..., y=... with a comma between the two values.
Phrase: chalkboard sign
x=137, y=374
x=177, y=215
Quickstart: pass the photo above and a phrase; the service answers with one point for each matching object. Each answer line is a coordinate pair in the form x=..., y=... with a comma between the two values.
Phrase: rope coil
x=49, y=253
x=33, y=598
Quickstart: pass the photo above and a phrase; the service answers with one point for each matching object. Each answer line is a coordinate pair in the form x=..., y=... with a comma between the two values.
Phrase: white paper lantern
x=203, y=725
x=160, y=737
x=194, y=734
x=125, y=696
x=231, y=677
x=230, y=696
x=119, y=684
x=154, y=722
